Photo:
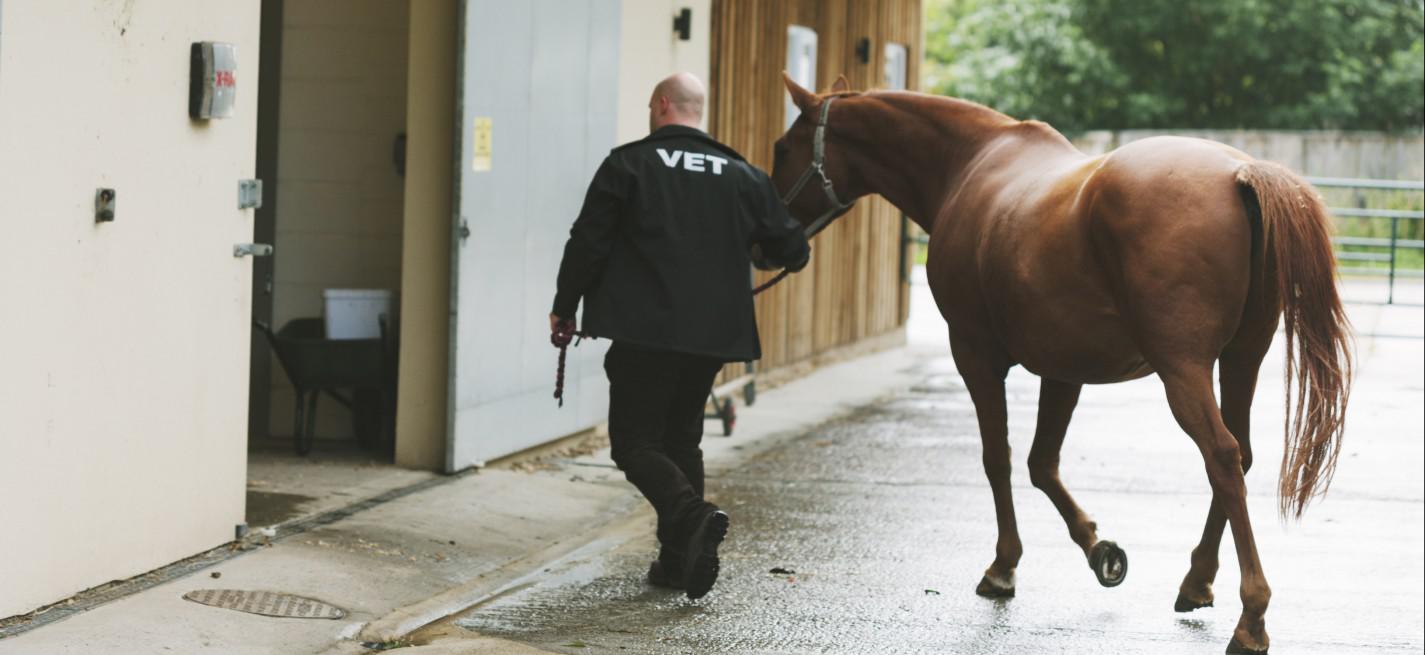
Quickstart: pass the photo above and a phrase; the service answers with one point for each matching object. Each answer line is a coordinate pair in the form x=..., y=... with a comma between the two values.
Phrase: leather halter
x=817, y=167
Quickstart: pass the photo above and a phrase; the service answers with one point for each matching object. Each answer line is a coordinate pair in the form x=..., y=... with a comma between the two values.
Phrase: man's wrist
x=563, y=308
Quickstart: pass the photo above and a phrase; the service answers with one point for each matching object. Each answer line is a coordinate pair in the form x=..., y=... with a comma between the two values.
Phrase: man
x=660, y=256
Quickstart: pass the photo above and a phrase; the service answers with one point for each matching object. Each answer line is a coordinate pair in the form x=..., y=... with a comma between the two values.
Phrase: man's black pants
x=656, y=401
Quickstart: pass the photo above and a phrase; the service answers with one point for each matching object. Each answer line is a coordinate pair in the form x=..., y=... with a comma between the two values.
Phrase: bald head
x=677, y=100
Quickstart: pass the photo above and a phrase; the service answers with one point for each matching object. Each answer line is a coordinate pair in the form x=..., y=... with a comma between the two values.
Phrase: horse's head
x=811, y=169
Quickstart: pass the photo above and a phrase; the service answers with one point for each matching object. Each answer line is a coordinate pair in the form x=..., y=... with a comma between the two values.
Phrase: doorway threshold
x=284, y=488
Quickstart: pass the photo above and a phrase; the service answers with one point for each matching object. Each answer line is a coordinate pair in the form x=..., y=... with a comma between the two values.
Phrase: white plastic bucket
x=355, y=313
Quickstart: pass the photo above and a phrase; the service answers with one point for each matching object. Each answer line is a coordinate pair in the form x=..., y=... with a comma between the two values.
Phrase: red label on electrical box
x=212, y=80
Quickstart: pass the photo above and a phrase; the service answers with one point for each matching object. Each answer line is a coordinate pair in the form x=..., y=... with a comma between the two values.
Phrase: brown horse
x=1164, y=256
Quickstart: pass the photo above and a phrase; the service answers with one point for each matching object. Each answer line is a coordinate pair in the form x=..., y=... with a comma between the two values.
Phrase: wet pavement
x=885, y=522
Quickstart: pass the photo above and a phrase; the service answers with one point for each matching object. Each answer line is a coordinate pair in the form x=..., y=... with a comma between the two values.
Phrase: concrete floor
x=882, y=511
x=887, y=521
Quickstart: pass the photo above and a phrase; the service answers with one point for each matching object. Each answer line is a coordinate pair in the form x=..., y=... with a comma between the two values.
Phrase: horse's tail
x=1296, y=233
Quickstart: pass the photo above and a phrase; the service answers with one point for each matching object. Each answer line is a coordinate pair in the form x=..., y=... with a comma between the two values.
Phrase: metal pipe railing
x=1356, y=183
x=1393, y=244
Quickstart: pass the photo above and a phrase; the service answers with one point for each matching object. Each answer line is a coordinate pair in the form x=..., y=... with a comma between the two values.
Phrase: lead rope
x=768, y=284
x=564, y=334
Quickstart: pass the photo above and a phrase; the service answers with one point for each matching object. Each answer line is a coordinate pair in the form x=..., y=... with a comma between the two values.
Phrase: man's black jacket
x=660, y=251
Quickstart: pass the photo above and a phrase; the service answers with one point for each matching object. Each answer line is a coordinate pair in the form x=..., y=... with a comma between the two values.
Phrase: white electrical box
x=212, y=80
x=801, y=67
x=896, y=74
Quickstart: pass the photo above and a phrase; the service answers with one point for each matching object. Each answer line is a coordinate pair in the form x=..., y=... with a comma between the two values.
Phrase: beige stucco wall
x=124, y=346
x=339, y=197
x=421, y=413
x=649, y=50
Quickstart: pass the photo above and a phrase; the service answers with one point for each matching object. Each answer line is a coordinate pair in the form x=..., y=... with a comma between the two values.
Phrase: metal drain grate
x=266, y=603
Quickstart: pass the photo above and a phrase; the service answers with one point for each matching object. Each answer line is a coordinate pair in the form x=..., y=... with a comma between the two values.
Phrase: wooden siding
x=854, y=288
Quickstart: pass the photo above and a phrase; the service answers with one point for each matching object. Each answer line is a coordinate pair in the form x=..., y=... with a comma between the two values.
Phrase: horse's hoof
x=1185, y=604
x=990, y=588
x=1109, y=563
x=1235, y=647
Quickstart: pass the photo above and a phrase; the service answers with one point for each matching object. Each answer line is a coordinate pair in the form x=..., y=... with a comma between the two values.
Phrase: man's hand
x=759, y=260
x=554, y=322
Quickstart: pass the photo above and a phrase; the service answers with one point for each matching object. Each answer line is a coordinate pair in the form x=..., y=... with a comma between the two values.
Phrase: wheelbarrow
x=724, y=409
x=316, y=365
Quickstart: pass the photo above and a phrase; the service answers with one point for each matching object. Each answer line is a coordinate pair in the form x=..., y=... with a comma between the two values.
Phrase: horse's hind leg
x=1056, y=405
x=1237, y=372
x=1189, y=390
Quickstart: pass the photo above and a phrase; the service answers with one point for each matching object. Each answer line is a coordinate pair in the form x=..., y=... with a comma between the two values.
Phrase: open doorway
x=331, y=126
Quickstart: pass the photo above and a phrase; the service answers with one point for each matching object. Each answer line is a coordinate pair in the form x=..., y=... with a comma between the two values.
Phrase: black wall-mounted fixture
x=683, y=24
x=863, y=50
x=398, y=154
x=104, y=205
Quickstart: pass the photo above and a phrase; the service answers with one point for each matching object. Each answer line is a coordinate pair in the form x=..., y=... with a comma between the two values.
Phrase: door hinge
x=253, y=249
x=249, y=194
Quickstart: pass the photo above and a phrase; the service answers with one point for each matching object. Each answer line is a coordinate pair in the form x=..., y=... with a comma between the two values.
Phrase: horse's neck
x=912, y=149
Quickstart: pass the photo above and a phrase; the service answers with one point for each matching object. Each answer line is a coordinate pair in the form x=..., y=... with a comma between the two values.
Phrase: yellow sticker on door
x=481, y=144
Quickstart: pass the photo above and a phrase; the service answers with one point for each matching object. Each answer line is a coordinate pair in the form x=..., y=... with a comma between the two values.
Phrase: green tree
x=1080, y=64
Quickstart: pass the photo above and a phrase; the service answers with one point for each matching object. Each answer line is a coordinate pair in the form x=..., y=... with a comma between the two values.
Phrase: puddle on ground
x=266, y=508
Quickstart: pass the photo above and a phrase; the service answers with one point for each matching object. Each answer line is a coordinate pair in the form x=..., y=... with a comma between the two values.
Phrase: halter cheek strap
x=817, y=167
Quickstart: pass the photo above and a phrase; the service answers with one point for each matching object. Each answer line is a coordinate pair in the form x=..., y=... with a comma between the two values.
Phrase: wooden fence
x=1318, y=153
x=854, y=288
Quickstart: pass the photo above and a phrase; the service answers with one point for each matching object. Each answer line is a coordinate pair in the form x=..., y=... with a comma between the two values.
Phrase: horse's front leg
x=983, y=368
x=1056, y=405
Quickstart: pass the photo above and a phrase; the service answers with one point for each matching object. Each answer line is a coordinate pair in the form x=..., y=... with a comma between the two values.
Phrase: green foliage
x=1120, y=64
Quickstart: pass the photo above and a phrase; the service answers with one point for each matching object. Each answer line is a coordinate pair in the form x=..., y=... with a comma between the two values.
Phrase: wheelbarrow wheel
x=728, y=414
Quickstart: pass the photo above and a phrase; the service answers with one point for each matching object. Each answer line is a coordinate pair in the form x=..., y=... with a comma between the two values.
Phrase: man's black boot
x=700, y=563
x=667, y=570
x=668, y=576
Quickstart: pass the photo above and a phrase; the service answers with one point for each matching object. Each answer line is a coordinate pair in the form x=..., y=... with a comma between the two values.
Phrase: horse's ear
x=842, y=85
x=802, y=98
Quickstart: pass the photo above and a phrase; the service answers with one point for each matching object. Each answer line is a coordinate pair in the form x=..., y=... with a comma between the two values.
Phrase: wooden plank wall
x=853, y=288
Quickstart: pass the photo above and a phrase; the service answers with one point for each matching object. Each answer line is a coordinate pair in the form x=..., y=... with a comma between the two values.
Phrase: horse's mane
x=936, y=108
